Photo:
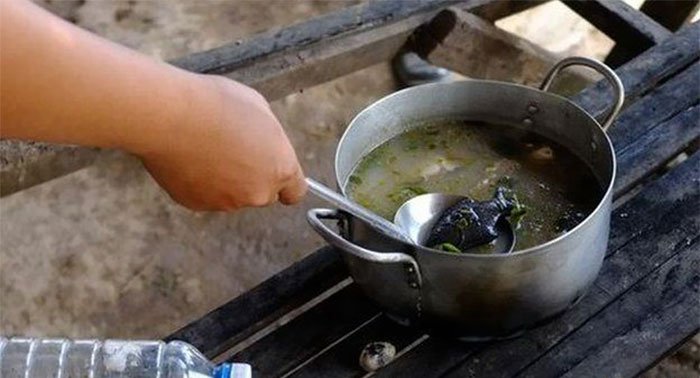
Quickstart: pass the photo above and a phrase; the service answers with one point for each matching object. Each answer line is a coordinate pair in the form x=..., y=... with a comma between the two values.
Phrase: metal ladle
x=373, y=220
x=413, y=220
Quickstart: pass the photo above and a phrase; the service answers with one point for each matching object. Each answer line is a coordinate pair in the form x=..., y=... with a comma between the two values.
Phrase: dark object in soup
x=472, y=159
x=469, y=223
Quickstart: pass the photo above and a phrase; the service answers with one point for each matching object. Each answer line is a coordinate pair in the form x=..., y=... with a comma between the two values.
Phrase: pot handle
x=607, y=72
x=314, y=217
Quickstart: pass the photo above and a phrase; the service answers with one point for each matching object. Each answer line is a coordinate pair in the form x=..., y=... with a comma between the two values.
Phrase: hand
x=212, y=143
x=229, y=151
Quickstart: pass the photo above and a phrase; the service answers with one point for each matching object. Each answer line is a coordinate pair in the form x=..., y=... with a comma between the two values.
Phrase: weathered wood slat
x=646, y=71
x=352, y=20
x=668, y=295
x=236, y=320
x=677, y=94
x=632, y=218
x=25, y=164
x=278, y=63
x=342, y=359
x=497, y=10
x=322, y=325
x=449, y=41
x=621, y=22
x=458, y=40
x=433, y=358
x=670, y=329
x=651, y=338
x=671, y=14
x=653, y=150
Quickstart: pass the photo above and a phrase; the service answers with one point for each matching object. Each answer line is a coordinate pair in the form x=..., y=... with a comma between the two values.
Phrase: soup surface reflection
x=472, y=159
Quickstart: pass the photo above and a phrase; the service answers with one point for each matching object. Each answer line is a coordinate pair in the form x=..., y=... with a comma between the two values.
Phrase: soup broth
x=472, y=159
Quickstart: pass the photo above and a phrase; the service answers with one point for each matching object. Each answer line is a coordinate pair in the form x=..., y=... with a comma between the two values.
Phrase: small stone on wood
x=376, y=355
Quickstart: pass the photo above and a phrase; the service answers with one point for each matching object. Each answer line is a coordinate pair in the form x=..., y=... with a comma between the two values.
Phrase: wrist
x=179, y=105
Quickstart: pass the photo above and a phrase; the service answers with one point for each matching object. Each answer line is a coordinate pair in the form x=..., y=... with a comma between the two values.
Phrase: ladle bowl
x=417, y=216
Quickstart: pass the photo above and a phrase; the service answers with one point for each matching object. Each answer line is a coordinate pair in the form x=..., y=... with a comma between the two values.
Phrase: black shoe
x=411, y=70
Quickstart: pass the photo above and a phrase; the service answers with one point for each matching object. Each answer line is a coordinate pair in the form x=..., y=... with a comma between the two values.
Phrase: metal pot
x=478, y=296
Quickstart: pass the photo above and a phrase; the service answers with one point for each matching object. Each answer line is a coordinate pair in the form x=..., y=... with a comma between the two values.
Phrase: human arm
x=212, y=143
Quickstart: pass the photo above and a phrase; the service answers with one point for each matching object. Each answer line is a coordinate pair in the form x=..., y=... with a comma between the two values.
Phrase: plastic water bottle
x=61, y=358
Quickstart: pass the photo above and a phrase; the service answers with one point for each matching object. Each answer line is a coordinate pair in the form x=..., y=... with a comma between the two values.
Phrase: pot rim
x=519, y=253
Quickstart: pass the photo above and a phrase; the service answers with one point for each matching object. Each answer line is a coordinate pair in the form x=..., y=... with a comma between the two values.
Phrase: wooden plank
x=657, y=312
x=432, y=358
x=620, y=22
x=631, y=218
x=500, y=9
x=236, y=320
x=671, y=14
x=442, y=42
x=459, y=41
x=277, y=75
x=654, y=150
x=342, y=359
x=651, y=339
x=645, y=71
x=25, y=164
x=632, y=31
x=672, y=97
x=322, y=325
x=325, y=29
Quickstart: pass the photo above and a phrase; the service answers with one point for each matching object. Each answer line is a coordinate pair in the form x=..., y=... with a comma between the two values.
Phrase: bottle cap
x=236, y=370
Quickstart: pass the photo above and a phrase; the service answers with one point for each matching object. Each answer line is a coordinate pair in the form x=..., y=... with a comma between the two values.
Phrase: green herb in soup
x=556, y=190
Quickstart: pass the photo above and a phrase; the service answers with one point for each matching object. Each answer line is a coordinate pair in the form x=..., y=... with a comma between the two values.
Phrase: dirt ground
x=104, y=252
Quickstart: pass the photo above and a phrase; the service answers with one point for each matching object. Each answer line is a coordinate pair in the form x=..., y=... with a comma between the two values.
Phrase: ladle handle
x=607, y=72
x=314, y=216
x=375, y=221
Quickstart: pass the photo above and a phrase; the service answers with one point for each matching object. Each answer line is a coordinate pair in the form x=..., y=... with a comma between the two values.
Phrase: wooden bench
x=312, y=320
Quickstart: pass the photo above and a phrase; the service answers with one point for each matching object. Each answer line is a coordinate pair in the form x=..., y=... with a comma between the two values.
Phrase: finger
x=294, y=190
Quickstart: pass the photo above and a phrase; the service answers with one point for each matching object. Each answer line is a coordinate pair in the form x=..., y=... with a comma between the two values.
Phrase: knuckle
x=258, y=199
x=287, y=175
x=288, y=171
